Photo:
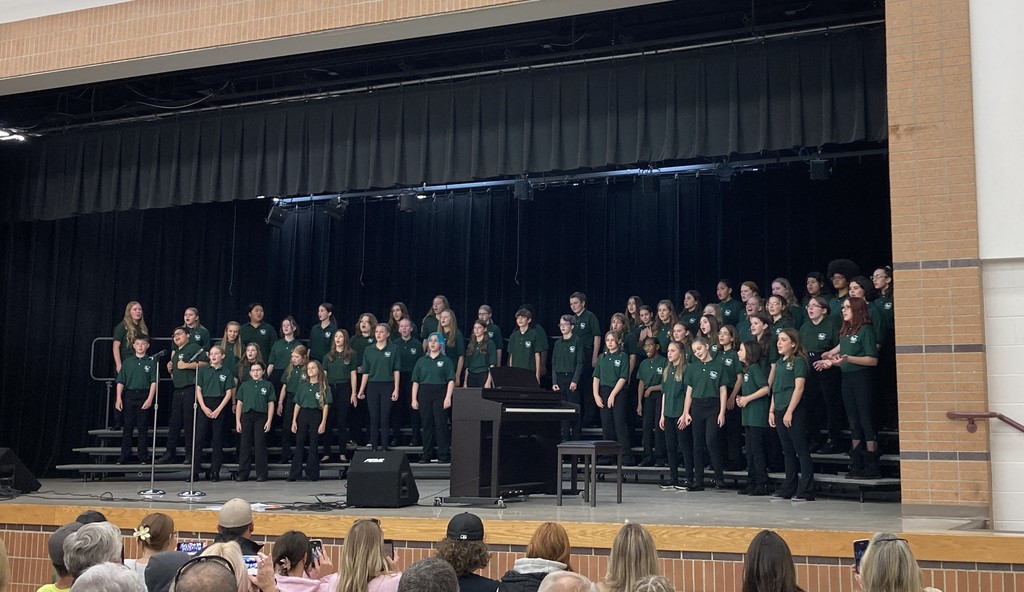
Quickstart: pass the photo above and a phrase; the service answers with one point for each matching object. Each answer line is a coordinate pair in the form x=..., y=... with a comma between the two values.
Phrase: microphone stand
x=153, y=491
x=192, y=492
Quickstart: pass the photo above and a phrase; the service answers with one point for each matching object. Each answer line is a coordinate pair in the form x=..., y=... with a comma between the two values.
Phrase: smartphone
x=389, y=548
x=859, y=547
x=190, y=547
x=251, y=564
x=316, y=549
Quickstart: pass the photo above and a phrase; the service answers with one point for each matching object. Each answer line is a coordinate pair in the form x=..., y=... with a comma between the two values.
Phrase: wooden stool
x=590, y=451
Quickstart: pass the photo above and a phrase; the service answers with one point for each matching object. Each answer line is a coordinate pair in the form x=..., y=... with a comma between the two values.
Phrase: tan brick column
x=939, y=318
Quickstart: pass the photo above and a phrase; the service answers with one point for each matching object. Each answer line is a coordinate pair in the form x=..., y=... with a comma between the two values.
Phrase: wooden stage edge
x=954, y=546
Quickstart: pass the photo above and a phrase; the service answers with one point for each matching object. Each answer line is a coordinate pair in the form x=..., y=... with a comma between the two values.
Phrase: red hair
x=551, y=542
x=859, y=316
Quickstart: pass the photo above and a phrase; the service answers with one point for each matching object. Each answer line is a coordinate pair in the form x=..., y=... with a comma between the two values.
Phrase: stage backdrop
x=67, y=281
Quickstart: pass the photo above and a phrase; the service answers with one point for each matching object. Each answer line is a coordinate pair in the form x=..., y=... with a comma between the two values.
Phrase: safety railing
x=970, y=416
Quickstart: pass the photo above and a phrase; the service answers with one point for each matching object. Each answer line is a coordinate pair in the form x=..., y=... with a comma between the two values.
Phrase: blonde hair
x=131, y=329
x=236, y=347
x=889, y=566
x=233, y=553
x=5, y=566
x=303, y=352
x=321, y=381
x=633, y=557
x=679, y=369
x=451, y=334
x=653, y=584
x=362, y=557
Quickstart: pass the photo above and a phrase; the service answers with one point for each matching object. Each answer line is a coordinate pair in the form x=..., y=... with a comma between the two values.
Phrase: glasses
x=814, y=305
x=202, y=559
x=891, y=540
x=879, y=276
x=838, y=276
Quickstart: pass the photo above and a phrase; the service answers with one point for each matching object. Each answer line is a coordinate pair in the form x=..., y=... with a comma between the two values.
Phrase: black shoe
x=215, y=477
x=759, y=491
x=261, y=479
x=647, y=462
x=719, y=486
x=782, y=495
x=290, y=478
x=242, y=478
x=121, y=461
x=802, y=498
x=694, y=488
x=746, y=490
x=831, y=447
x=166, y=459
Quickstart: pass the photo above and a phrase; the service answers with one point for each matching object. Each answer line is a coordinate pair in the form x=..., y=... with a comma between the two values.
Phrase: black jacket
x=514, y=581
x=248, y=547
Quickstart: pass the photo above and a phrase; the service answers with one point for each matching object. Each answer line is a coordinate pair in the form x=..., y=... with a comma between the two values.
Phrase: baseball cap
x=56, y=544
x=236, y=512
x=466, y=527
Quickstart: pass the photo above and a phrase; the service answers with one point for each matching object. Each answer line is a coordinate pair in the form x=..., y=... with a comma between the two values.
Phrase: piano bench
x=590, y=451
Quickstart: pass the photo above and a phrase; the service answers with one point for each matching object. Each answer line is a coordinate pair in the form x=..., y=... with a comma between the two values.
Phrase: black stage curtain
x=775, y=95
x=67, y=281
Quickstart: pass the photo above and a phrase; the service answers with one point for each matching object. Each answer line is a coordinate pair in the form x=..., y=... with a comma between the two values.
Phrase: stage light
x=724, y=171
x=820, y=170
x=407, y=201
x=336, y=208
x=522, y=190
x=276, y=216
x=649, y=183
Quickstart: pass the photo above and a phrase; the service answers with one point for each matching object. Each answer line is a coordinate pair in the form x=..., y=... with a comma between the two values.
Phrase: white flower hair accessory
x=285, y=565
x=142, y=533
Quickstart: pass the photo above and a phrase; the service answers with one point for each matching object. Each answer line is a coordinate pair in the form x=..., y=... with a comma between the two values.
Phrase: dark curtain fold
x=775, y=95
x=67, y=281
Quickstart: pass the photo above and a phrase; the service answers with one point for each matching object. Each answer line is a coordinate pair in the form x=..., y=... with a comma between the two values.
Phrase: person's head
x=429, y=575
x=714, y=310
x=340, y=340
x=219, y=568
x=156, y=531
x=817, y=308
x=675, y=353
x=367, y=322
x=759, y=324
x=325, y=312
x=94, y=543
x=782, y=287
x=55, y=547
x=748, y=289
x=855, y=313
x=446, y=320
x=480, y=329
x=768, y=565
x=314, y=371
x=463, y=545
x=362, y=555
x=291, y=551
x=140, y=344
x=109, y=577
x=727, y=336
x=618, y=323
x=750, y=353
x=753, y=305
x=815, y=284
x=132, y=313
x=161, y=569
x=299, y=356
x=485, y=313
x=551, y=542
x=633, y=304
x=565, y=581
x=646, y=314
x=651, y=347
x=680, y=332
x=5, y=567
x=691, y=300
x=523, y=318
x=405, y=327
x=439, y=303
x=252, y=353
x=257, y=370
x=724, y=290
x=235, y=519
x=289, y=327
x=882, y=280
x=381, y=333
x=860, y=287
x=789, y=344
x=565, y=324
x=191, y=316
x=216, y=355
x=633, y=556
x=577, y=302
x=180, y=337
x=399, y=311
x=653, y=584
x=888, y=565
x=231, y=331
x=840, y=271
x=709, y=326
x=255, y=312
x=434, y=341
x=776, y=306
x=666, y=312
x=612, y=341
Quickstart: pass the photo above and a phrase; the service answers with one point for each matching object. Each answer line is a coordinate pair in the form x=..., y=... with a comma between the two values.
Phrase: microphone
x=159, y=354
x=197, y=354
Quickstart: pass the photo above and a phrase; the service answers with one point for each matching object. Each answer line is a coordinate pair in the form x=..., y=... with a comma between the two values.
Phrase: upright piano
x=505, y=441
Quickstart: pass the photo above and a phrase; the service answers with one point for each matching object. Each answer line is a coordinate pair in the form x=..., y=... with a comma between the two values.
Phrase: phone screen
x=859, y=547
x=190, y=547
x=389, y=548
x=316, y=548
x=251, y=565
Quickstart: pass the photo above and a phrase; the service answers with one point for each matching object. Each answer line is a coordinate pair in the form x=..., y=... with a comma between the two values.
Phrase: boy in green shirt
x=648, y=403
x=184, y=365
x=136, y=391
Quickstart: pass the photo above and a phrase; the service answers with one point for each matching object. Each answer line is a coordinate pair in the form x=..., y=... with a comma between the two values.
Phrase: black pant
x=214, y=429
x=571, y=429
x=182, y=400
x=857, y=400
x=402, y=413
x=757, y=462
x=287, y=437
x=824, y=399
x=476, y=379
x=675, y=439
x=134, y=418
x=585, y=386
x=308, y=424
x=253, y=437
x=435, y=421
x=337, y=418
x=651, y=436
x=798, y=458
x=704, y=413
x=378, y=402
x=615, y=421
x=732, y=436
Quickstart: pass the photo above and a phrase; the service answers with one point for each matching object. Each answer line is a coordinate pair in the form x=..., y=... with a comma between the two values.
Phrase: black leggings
x=675, y=439
x=757, y=461
x=378, y=402
x=337, y=416
x=798, y=458
x=614, y=423
x=857, y=400
x=704, y=413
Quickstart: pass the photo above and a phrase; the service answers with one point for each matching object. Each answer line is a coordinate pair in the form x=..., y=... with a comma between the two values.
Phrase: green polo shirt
x=230, y=360
x=821, y=337
x=281, y=353
x=732, y=312
x=522, y=347
x=395, y=335
x=320, y=340
x=409, y=350
x=121, y=335
x=137, y=373
x=786, y=373
x=428, y=326
x=380, y=364
x=480, y=361
x=293, y=379
x=216, y=382
x=428, y=370
x=755, y=413
x=455, y=347
x=199, y=336
x=184, y=378
x=835, y=307
x=691, y=320
x=651, y=369
x=308, y=396
x=611, y=367
x=495, y=335
x=587, y=327
x=743, y=330
x=359, y=345
x=263, y=336
x=338, y=370
x=567, y=355
x=883, y=316
x=705, y=378
x=664, y=337
x=731, y=368
x=782, y=323
x=674, y=394
x=255, y=395
x=861, y=344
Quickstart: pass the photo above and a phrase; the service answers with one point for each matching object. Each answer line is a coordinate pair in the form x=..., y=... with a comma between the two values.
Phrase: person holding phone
x=887, y=564
x=301, y=565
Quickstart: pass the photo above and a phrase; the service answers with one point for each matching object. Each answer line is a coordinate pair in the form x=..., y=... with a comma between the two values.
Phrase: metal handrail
x=970, y=416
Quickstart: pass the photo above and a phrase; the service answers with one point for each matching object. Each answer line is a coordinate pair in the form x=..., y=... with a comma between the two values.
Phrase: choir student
x=692, y=310
x=379, y=385
x=136, y=391
x=754, y=400
x=340, y=365
x=704, y=408
x=281, y=351
x=258, y=332
x=732, y=310
x=486, y=314
x=231, y=345
x=609, y=383
x=787, y=379
x=481, y=356
x=214, y=393
x=197, y=333
x=677, y=430
x=648, y=404
x=410, y=349
x=309, y=420
x=429, y=324
x=184, y=364
x=567, y=366
x=433, y=382
x=131, y=326
x=321, y=334
x=292, y=378
x=523, y=345
x=454, y=342
x=823, y=392
x=254, y=409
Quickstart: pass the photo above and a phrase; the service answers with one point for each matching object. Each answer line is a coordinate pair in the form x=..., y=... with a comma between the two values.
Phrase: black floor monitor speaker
x=381, y=480
x=15, y=474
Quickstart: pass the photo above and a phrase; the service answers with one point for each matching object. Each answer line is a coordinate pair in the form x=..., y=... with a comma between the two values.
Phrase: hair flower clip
x=285, y=565
x=142, y=533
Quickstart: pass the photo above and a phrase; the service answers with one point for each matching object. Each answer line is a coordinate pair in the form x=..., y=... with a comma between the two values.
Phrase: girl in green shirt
x=761, y=331
x=309, y=420
x=666, y=318
x=340, y=365
x=788, y=379
x=231, y=345
x=379, y=385
x=290, y=380
x=433, y=382
x=130, y=327
x=609, y=387
x=692, y=310
x=454, y=342
x=704, y=408
x=321, y=334
x=481, y=356
x=677, y=432
x=732, y=435
x=251, y=357
x=754, y=400
x=708, y=330
x=281, y=351
x=254, y=409
x=633, y=304
x=429, y=324
x=779, y=313
x=398, y=312
x=782, y=287
x=486, y=314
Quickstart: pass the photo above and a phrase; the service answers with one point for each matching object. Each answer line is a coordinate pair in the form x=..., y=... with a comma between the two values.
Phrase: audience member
x=633, y=556
x=155, y=535
x=55, y=546
x=90, y=516
x=653, y=584
x=429, y=575
x=364, y=567
x=109, y=577
x=5, y=567
x=92, y=544
x=565, y=581
x=161, y=569
x=464, y=548
x=888, y=565
x=231, y=552
x=209, y=573
x=768, y=565
x=234, y=524
x=548, y=551
x=298, y=569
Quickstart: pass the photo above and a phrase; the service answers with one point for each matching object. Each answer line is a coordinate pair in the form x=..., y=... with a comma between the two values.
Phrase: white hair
x=565, y=581
x=109, y=577
x=99, y=542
